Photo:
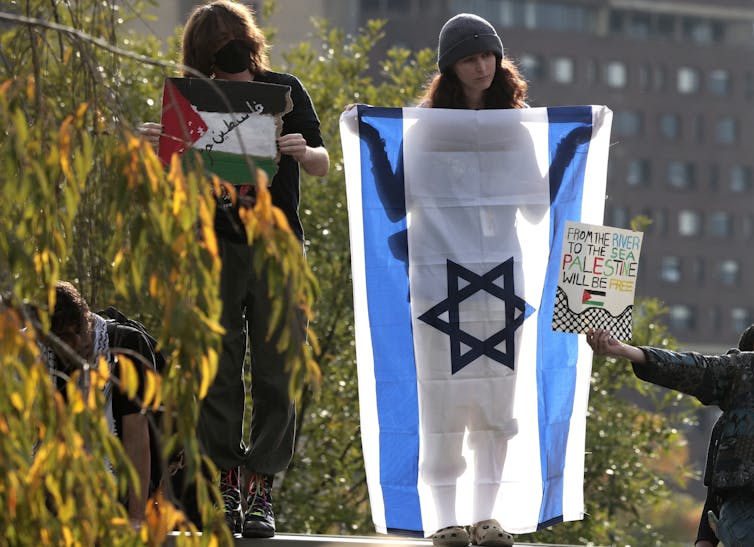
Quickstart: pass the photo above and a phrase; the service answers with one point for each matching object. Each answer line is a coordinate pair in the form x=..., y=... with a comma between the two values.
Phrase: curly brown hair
x=211, y=26
x=508, y=89
x=71, y=310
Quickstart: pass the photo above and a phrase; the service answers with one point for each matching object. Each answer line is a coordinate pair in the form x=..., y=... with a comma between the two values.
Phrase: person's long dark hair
x=211, y=26
x=508, y=89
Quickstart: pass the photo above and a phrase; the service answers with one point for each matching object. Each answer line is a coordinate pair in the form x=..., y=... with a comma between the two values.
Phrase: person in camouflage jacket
x=726, y=381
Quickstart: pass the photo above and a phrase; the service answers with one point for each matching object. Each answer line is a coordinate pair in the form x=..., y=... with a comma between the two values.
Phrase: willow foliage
x=86, y=200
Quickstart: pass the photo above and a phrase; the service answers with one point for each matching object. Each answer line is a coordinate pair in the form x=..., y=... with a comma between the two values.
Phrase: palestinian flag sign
x=232, y=126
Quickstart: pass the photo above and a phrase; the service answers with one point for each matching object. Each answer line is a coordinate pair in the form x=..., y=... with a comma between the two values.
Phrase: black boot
x=259, y=520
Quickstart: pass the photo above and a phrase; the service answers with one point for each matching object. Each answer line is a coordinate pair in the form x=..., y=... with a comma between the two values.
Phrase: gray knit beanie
x=464, y=35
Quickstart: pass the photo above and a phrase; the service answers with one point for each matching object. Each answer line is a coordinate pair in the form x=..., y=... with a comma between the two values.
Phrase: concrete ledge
x=303, y=540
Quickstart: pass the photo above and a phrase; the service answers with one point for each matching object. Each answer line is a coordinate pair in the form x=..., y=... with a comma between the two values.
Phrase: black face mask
x=233, y=57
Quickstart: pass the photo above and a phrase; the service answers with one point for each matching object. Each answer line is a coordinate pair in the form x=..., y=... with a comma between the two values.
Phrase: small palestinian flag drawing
x=593, y=298
x=232, y=126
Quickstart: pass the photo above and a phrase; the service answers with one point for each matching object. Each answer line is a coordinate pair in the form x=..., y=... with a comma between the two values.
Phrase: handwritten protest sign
x=232, y=126
x=599, y=266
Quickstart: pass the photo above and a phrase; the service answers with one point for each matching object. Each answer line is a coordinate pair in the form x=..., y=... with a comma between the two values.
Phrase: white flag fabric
x=471, y=406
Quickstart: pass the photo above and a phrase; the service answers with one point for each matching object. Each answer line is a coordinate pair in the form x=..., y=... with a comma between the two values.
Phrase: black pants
x=246, y=303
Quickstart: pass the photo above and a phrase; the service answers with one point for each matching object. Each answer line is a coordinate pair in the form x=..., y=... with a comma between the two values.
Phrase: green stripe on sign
x=233, y=168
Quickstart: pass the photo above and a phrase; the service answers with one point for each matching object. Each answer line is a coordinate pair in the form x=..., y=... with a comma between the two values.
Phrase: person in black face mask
x=221, y=40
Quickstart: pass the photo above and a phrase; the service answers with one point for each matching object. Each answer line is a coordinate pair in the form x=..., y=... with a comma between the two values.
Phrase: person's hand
x=151, y=132
x=712, y=521
x=349, y=107
x=603, y=342
x=293, y=144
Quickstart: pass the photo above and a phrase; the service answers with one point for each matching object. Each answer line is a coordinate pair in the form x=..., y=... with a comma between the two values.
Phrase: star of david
x=516, y=311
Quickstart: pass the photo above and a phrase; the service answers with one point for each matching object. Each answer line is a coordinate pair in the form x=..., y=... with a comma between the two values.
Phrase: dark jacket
x=726, y=381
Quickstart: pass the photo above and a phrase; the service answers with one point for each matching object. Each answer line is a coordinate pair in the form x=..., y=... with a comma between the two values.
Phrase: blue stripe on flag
x=384, y=210
x=570, y=129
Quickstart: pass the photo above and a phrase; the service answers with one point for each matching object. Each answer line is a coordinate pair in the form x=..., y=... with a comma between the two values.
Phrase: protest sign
x=231, y=125
x=599, y=266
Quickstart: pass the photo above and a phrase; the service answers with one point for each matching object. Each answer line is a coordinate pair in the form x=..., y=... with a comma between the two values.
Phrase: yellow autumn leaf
x=64, y=143
x=179, y=194
x=16, y=401
x=67, y=536
x=75, y=400
x=30, y=87
x=150, y=388
x=153, y=285
x=280, y=219
x=91, y=397
x=81, y=110
x=129, y=379
x=206, y=377
x=102, y=373
x=262, y=178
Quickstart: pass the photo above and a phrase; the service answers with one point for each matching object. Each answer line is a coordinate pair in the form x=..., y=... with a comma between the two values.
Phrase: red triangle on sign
x=586, y=296
x=178, y=118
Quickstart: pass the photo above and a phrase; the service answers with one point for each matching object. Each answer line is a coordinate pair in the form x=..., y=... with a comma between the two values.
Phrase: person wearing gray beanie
x=464, y=35
x=473, y=74
x=473, y=70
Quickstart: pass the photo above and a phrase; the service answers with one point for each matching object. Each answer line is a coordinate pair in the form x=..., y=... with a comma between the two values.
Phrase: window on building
x=740, y=319
x=670, y=126
x=637, y=172
x=639, y=25
x=726, y=130
x=719, y=224
x=562, y=70
x=740, y=178
x=563, y=17
x=670, y=269
x=718, y=82
x=680, y=174
x=509, y=13
x=687, y=80
x=618, y=217
x=702, y=31
x=681, y=317
x=627, y=123
x=616, y=74
x=617, y=21
x=728, y=272
x=689, y=223
x=531, y=67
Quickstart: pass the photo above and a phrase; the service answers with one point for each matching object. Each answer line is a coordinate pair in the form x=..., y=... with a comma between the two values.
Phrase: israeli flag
x=471, y=406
